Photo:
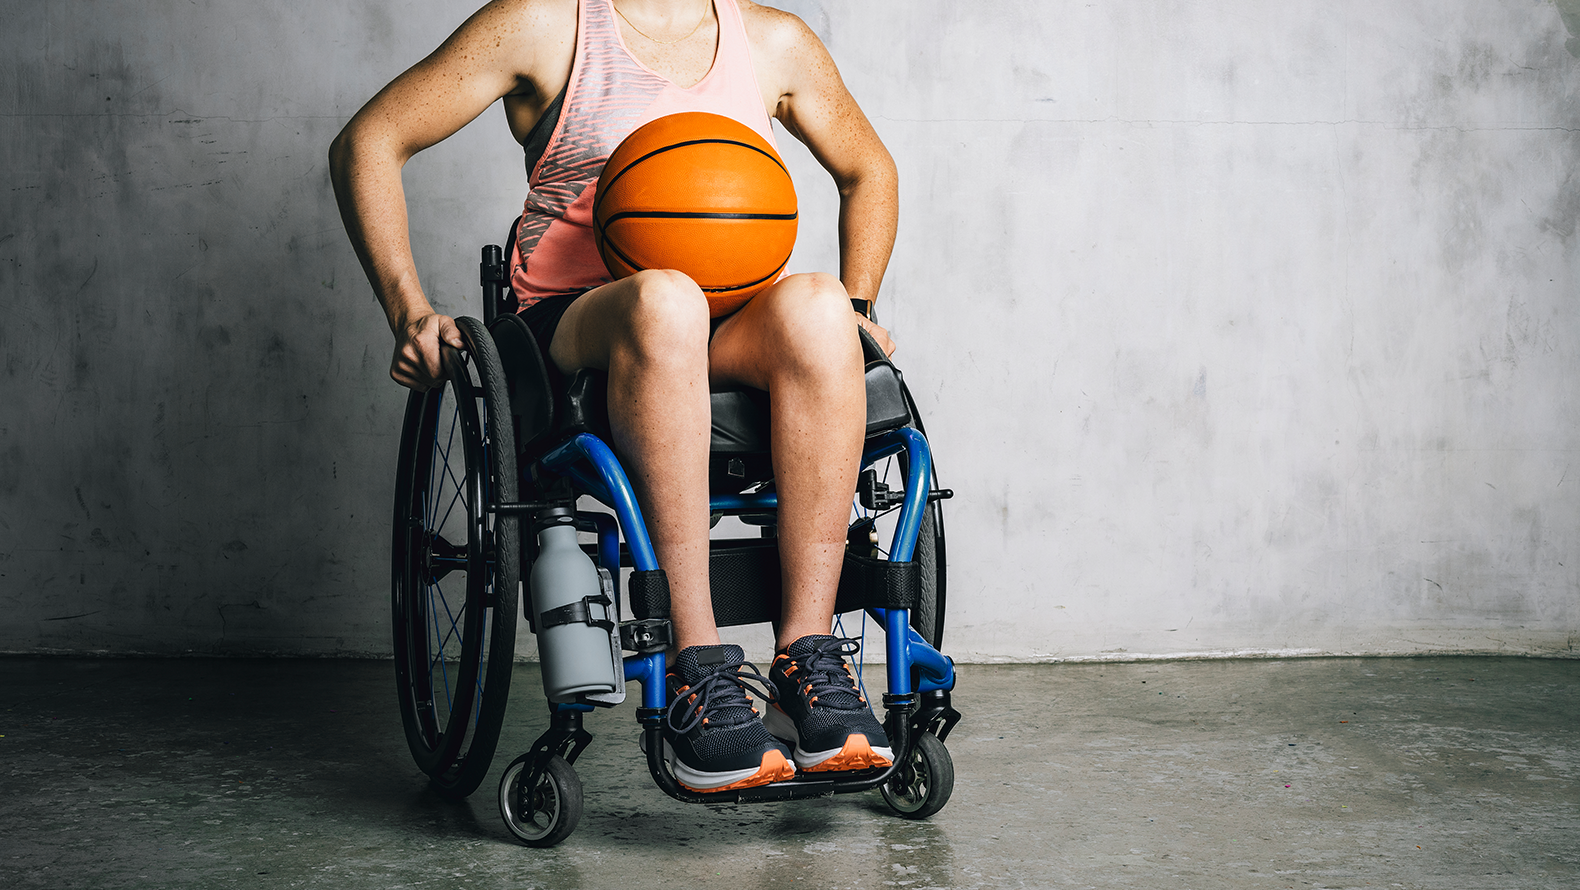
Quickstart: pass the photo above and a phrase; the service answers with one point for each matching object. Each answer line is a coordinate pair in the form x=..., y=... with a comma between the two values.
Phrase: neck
x=662, y=17
x=666, y=26
x=661, y=8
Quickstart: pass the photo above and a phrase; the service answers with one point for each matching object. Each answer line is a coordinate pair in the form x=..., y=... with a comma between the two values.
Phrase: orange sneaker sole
x=856, y=754
x=775, y=768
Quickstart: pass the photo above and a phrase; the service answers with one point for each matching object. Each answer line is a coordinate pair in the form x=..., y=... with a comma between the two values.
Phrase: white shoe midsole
x=781, y=726
x=702, y=781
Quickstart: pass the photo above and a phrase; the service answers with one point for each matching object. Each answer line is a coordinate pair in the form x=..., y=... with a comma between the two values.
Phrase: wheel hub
x=440, y=557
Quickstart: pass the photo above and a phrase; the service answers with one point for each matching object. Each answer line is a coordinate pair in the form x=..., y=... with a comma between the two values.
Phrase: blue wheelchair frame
x=592, y=465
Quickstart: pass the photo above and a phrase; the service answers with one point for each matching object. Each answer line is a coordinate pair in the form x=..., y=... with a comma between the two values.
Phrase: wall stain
x=1570, y=11
x=1565, y=210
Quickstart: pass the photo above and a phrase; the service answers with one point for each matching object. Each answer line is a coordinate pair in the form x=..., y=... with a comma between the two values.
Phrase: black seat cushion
x=740, y=421
x=740, y=414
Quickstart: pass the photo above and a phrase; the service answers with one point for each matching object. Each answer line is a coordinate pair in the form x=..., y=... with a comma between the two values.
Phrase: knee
x=813, y=319
x=667, y=316
x=815, y=299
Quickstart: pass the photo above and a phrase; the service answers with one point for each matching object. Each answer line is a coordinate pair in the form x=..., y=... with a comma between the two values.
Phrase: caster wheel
x=923, y=783
x=547, y=814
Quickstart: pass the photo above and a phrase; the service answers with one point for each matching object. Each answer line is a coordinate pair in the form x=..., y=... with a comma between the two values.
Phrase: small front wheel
x=922, y=784
x=546, y=814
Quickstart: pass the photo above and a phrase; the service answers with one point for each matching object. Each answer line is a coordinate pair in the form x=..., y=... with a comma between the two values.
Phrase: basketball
x=701, y=194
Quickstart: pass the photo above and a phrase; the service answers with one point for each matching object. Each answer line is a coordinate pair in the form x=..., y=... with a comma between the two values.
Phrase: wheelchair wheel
x=923, y=783
x=928, y=616
x=456, y=567
x=875, y=522
x=547, y=813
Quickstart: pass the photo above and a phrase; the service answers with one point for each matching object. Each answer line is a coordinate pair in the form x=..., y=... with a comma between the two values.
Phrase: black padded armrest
x=886, y=405
x=870, y=350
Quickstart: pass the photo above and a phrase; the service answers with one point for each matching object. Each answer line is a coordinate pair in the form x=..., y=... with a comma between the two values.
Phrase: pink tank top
x=610, y=94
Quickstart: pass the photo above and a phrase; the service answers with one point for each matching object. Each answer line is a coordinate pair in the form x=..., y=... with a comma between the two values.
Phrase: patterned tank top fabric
x=610, y=94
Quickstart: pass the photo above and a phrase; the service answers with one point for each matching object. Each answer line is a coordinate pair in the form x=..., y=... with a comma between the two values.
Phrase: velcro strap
x=649, y=594
x=868, y=582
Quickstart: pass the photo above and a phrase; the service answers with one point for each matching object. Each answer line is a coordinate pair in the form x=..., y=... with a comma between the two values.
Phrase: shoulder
x=516, y=27
x=776, y=34
x=786, y=50
x=529, y=39
x=527, y=14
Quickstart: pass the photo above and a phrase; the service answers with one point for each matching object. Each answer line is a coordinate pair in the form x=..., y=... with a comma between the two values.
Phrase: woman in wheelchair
x=577, y=76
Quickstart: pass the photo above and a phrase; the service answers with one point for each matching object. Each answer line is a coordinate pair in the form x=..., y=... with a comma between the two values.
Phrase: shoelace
x=822, y=673
x=715, y=691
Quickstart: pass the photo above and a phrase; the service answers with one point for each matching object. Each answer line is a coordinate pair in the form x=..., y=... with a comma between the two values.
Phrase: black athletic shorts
x=543, y=318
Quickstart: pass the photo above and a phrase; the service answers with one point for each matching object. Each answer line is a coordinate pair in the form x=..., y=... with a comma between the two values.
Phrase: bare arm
x=815, y=106
x=490, y=56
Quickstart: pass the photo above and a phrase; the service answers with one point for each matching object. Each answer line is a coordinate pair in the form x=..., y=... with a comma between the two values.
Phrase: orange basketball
x=701, y=194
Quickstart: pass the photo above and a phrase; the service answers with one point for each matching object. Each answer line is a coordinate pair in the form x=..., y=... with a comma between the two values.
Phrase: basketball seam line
x=625, y=258
x=770, y=275
x=684, y=214
x=598, y=202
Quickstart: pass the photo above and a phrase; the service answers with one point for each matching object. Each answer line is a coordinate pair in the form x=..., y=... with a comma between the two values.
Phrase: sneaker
x=713, y=736
x=822, y=710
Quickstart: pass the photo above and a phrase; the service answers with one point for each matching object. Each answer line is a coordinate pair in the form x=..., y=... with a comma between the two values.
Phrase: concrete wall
x=1239, y=326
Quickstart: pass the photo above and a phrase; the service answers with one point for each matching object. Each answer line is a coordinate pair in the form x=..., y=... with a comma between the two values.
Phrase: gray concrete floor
x=1419, y=773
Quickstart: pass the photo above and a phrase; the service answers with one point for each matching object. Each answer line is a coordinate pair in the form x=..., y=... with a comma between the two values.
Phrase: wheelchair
x=505, y=449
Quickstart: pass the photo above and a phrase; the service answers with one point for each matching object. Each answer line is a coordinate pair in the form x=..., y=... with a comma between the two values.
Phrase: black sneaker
x=822, y=710
x=714, y=738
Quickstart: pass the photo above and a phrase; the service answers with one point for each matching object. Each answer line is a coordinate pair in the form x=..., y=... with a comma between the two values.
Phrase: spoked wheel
x=456, y=566
x=872, y=530
x=547, y=813
x=924, y=781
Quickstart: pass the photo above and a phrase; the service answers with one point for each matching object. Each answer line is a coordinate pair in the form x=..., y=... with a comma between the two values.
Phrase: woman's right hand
x=418, y=362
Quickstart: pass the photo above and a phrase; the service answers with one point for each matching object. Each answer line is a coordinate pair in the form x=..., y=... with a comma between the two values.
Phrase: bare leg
x=650, y=332
x=798, y=341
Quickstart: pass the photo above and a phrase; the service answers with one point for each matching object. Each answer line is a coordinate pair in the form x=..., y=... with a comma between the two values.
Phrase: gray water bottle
x=575, y=620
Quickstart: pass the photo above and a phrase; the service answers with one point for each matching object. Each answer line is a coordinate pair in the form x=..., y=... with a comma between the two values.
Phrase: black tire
x=923, y=783
x=928, y=616
x=457, y=567
x=927, y=619
x=545, y=815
